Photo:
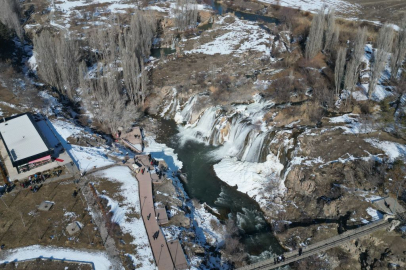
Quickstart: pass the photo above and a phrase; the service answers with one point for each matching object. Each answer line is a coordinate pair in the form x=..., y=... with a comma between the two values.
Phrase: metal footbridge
x=321, y=246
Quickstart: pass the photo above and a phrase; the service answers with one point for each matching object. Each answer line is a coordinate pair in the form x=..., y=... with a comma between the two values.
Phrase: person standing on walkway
x=300, y=251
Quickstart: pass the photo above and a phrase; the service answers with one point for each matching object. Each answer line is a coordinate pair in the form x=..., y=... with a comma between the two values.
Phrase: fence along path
x=320, y=246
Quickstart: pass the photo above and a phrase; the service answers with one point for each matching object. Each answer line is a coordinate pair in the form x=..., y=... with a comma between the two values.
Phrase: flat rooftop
x=22, y=138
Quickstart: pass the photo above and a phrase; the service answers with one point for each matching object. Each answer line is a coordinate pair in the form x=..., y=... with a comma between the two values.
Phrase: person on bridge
x=300, y=251
x=274, y=260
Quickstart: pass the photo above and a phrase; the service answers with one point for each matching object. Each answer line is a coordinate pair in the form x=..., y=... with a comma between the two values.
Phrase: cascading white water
x=186, y=114
x=172, y=107
x=250, y=220
x=202, y=130
x=256, y=143
x=241, y=133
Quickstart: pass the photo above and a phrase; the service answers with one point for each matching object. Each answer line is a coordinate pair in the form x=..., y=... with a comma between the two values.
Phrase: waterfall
x=201, y=130
x=173, y=106
x=256, y=143
x=186, y=114
x=241, y=133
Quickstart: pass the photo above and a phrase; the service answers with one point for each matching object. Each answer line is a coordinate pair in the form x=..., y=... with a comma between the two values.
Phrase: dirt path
x=109, y=243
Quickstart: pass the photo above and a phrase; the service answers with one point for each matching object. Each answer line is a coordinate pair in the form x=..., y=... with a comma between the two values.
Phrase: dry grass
x=112, y=190
x=22, y=224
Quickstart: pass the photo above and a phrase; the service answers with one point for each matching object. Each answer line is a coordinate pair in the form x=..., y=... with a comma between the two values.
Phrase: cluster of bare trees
x=350, y=77
x=57, y=58
x=10, y=16
x=116, y=87
x=323, y=33
x=398, y=50
x=119, y=86
x=186, y=14
x=350, y=60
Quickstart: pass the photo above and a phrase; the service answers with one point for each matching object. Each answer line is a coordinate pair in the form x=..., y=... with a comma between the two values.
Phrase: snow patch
x=121, y=212
x=392, y=150
x=251, y=178
x=99, y=259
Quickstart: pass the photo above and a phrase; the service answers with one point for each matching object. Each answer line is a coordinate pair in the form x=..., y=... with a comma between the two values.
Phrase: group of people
x=35, y=188
x=278, y=259
x=34, y=179
x=38, y=178
x=152, y=161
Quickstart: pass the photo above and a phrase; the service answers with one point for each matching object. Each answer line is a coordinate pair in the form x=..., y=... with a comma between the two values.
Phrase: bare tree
x=359, y=45
x=10, y=15
x=67, y=57
x=330, y=30
x=134, y=48
x=339, y=68
x=399, y=50
x=336, y=37
x=352, y=70
x=57, y=59
x=350, y=76
x=315, y=39
x=384, y=44
x=117, y=89
x=185, y=14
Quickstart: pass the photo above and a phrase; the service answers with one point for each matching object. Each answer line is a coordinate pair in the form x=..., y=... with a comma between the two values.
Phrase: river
x=204, y=185
x=202, y=182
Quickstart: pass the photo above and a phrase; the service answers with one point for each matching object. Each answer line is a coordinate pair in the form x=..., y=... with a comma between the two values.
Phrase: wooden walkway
x=167, y=255
x=159, y=247
x=321, y=246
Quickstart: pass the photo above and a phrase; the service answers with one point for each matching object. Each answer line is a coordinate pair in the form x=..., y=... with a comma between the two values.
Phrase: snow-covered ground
x=314, y=5
x=84, y=157
x=99, y=259
x=241, y=36
x=354, y=125
x=128, y=205
x=375, y=214
x=392, y=150
x=251, y=178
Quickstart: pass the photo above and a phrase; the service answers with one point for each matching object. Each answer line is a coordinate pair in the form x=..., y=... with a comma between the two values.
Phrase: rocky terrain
x=275, y=129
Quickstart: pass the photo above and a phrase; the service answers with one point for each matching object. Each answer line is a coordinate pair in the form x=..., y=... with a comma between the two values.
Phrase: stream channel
x=203, y=185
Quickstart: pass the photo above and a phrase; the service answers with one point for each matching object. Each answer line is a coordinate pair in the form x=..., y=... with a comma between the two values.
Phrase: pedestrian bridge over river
x=313, y=249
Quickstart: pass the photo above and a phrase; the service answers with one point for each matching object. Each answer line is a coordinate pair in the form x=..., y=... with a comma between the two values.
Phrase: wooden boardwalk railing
x=310, y=250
